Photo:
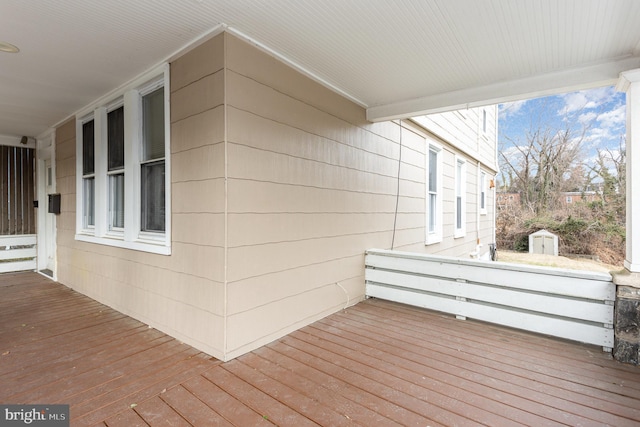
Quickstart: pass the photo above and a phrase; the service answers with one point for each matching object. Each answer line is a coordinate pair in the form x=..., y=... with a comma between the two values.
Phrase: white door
x=50, y=220
x=46, y=184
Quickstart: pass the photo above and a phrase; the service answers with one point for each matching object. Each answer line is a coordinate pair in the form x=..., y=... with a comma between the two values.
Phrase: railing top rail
x=554, y=271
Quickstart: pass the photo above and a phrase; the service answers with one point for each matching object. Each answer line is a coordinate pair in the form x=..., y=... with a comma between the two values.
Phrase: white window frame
x=112, y=231
x=460, y=191
x=435, y=235
x=482, y=192
x=131, y=237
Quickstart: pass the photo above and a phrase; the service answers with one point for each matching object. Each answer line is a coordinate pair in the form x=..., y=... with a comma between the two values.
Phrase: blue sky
x=601, y=111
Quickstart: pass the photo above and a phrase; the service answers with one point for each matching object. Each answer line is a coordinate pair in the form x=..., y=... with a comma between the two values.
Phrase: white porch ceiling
x=397, y=58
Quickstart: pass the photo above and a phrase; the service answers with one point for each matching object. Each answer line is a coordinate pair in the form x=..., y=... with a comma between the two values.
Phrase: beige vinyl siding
x=181, y=294
x=463, y=130
x=462, y=246
x=279, y=186
x=311, y=186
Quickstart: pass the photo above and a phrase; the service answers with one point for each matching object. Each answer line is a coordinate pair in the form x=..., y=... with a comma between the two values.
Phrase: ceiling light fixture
x=8, y=47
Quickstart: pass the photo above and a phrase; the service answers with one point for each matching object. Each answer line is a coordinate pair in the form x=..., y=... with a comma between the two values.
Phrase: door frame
x=45, y=151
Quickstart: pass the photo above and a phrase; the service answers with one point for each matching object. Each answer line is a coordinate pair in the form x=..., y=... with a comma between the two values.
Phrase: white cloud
x=586, y=99
x=587, y=118
x=511, y=108
x=613, y=118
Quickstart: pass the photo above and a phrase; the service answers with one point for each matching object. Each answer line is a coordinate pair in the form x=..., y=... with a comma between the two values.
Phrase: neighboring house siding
x=463, y=134
x=279, y=186
x=464, y=130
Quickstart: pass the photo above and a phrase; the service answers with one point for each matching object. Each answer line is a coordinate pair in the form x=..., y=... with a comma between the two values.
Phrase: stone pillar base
x=627, y=317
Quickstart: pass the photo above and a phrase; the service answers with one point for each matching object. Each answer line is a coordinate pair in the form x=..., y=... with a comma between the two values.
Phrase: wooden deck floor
x=377, y=363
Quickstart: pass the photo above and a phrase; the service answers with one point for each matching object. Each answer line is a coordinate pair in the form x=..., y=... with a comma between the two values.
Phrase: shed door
x=543, y=245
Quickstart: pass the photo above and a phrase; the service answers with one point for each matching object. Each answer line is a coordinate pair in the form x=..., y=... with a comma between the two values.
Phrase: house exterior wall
x=470, y=135
x=279, y=186
x=181, y=294
x=464, y=130
x=311, y=186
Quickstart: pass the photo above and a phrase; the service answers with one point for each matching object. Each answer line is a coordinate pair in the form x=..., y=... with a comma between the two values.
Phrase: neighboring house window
x=434, y=195
x=88, y=174
x=460, y=196
x=484, y=121
x=125, y=195
x=482, y=193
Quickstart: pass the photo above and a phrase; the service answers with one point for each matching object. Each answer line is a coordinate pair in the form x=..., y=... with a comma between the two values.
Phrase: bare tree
x=547, y=164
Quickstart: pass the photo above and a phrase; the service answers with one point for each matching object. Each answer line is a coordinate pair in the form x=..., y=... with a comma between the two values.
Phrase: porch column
x=627, y=307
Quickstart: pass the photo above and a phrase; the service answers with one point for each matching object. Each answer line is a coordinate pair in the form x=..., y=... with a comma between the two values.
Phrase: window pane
x=89, y=202
x=153, y=212
x=87, y=148
x=432, y=212
x=116, y=201
x=153, y=125
x=433, y=171
x=115, y=125
x=458, y=212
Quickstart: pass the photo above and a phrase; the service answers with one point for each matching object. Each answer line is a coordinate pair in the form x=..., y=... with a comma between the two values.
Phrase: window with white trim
x=115, y=168
x=460, y=198
x=434, y=195
x=88, y=174
x=482, y=193
x=122, y=151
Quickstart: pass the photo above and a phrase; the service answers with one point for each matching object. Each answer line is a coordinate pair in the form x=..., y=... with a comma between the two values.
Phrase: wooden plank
x=126, y=419
x=487, y=403
x=268, y=406
x=376, y=363
x=17, y=253
x=233, y=410
x=316, y=391
x=420, y=354
x=429, y=403
x=156, y=412
x=192, y=409
x=23, y=240
x=595, y=285
x=92, y=411
x=7, y=267
x=310, y=408
x=563, y=328
x=543, y=303
x=309, y=367
x=545, y=355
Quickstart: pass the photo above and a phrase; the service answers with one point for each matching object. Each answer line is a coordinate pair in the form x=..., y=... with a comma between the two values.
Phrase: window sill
x=432, y=240
x=144, y=246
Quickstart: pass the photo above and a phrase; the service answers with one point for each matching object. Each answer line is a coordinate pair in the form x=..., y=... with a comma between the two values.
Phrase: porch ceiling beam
x=578, y=78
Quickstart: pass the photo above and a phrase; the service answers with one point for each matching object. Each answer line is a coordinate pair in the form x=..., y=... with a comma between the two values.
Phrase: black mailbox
x=54, y=204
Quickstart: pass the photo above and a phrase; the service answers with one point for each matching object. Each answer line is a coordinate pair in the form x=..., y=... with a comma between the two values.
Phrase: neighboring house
x=570, y=197
x=505, y=200
x=227, y=199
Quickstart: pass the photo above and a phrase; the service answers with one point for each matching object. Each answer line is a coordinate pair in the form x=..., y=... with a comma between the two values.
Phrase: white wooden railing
x=17, y=253
x=575, y=305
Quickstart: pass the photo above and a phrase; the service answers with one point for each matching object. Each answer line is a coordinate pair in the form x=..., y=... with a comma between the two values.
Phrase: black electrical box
x=54, y=204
